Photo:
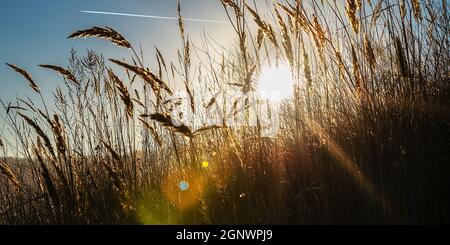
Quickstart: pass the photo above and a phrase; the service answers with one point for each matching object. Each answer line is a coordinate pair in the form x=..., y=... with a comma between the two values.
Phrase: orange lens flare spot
x=183, y=190
x=184, y=186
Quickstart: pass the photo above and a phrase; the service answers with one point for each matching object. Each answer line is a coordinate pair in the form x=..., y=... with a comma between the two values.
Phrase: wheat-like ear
x=417, y=10
x=307, y=70
x=58, y=131
x=6, y=170
x=260, y=38
x=368, y=51
x=264, y=27
x=26, y=75
x=180, y=20
x=298, y=17
x=152, y=131
x=40, y=132
x=49, y=184
x=340, y=63
x=287, y=45
x=124, y=95
x=351, y=9
x=376, y=13
x=149, y=77
x=230, y=3
x=105, y=33
x=319, y=32
x=289, y=11
x=318, y=35
x=357, y=73
x=402, y=8
x=64, y=72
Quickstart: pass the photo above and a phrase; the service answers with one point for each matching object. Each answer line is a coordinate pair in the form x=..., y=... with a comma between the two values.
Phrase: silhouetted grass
x=364, y=139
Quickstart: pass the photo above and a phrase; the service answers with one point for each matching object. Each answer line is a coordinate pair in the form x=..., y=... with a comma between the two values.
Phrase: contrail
x=152, y=17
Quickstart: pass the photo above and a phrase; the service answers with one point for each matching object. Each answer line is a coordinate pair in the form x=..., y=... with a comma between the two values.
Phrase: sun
x=276, y=82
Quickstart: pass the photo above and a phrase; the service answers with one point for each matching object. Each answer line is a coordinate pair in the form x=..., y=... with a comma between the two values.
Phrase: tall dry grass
x=364, y=140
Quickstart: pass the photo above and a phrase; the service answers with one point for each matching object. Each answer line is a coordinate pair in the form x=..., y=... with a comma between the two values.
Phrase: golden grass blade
x=232, y=4
x=352, y=9
x=104, y=33
x=265, y=27
x=341, y=64
x=402, y=8
x=357, y=73
x=260, y=38
x=26, y=75
x=287, y=45
x=298, y=17
x=370, y=55
x=417, y=10
x=152, y=131
x=58, y=131
x=307, y=70
x=124, y=95
x=320, y=33
x=376, y=13
x=64, y=72
x=289, y=11
x=149, y=77
x=49, y=184
x=180, y=20
x=40, y=132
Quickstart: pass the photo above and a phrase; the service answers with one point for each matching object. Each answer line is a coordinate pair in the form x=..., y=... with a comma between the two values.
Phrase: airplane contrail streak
x=152, y=16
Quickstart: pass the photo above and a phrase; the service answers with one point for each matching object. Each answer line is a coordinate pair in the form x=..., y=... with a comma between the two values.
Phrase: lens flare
x=205, y=164
x=184, y=186
x=184, y=190
x=276, y=82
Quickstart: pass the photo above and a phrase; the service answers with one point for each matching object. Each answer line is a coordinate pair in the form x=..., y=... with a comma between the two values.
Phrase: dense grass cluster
x=364, y=139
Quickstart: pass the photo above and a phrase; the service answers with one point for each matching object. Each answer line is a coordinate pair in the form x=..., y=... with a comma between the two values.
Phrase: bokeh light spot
x=184, y=186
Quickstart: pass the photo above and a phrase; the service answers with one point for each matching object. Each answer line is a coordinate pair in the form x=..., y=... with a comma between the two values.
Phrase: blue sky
x=34, y=32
